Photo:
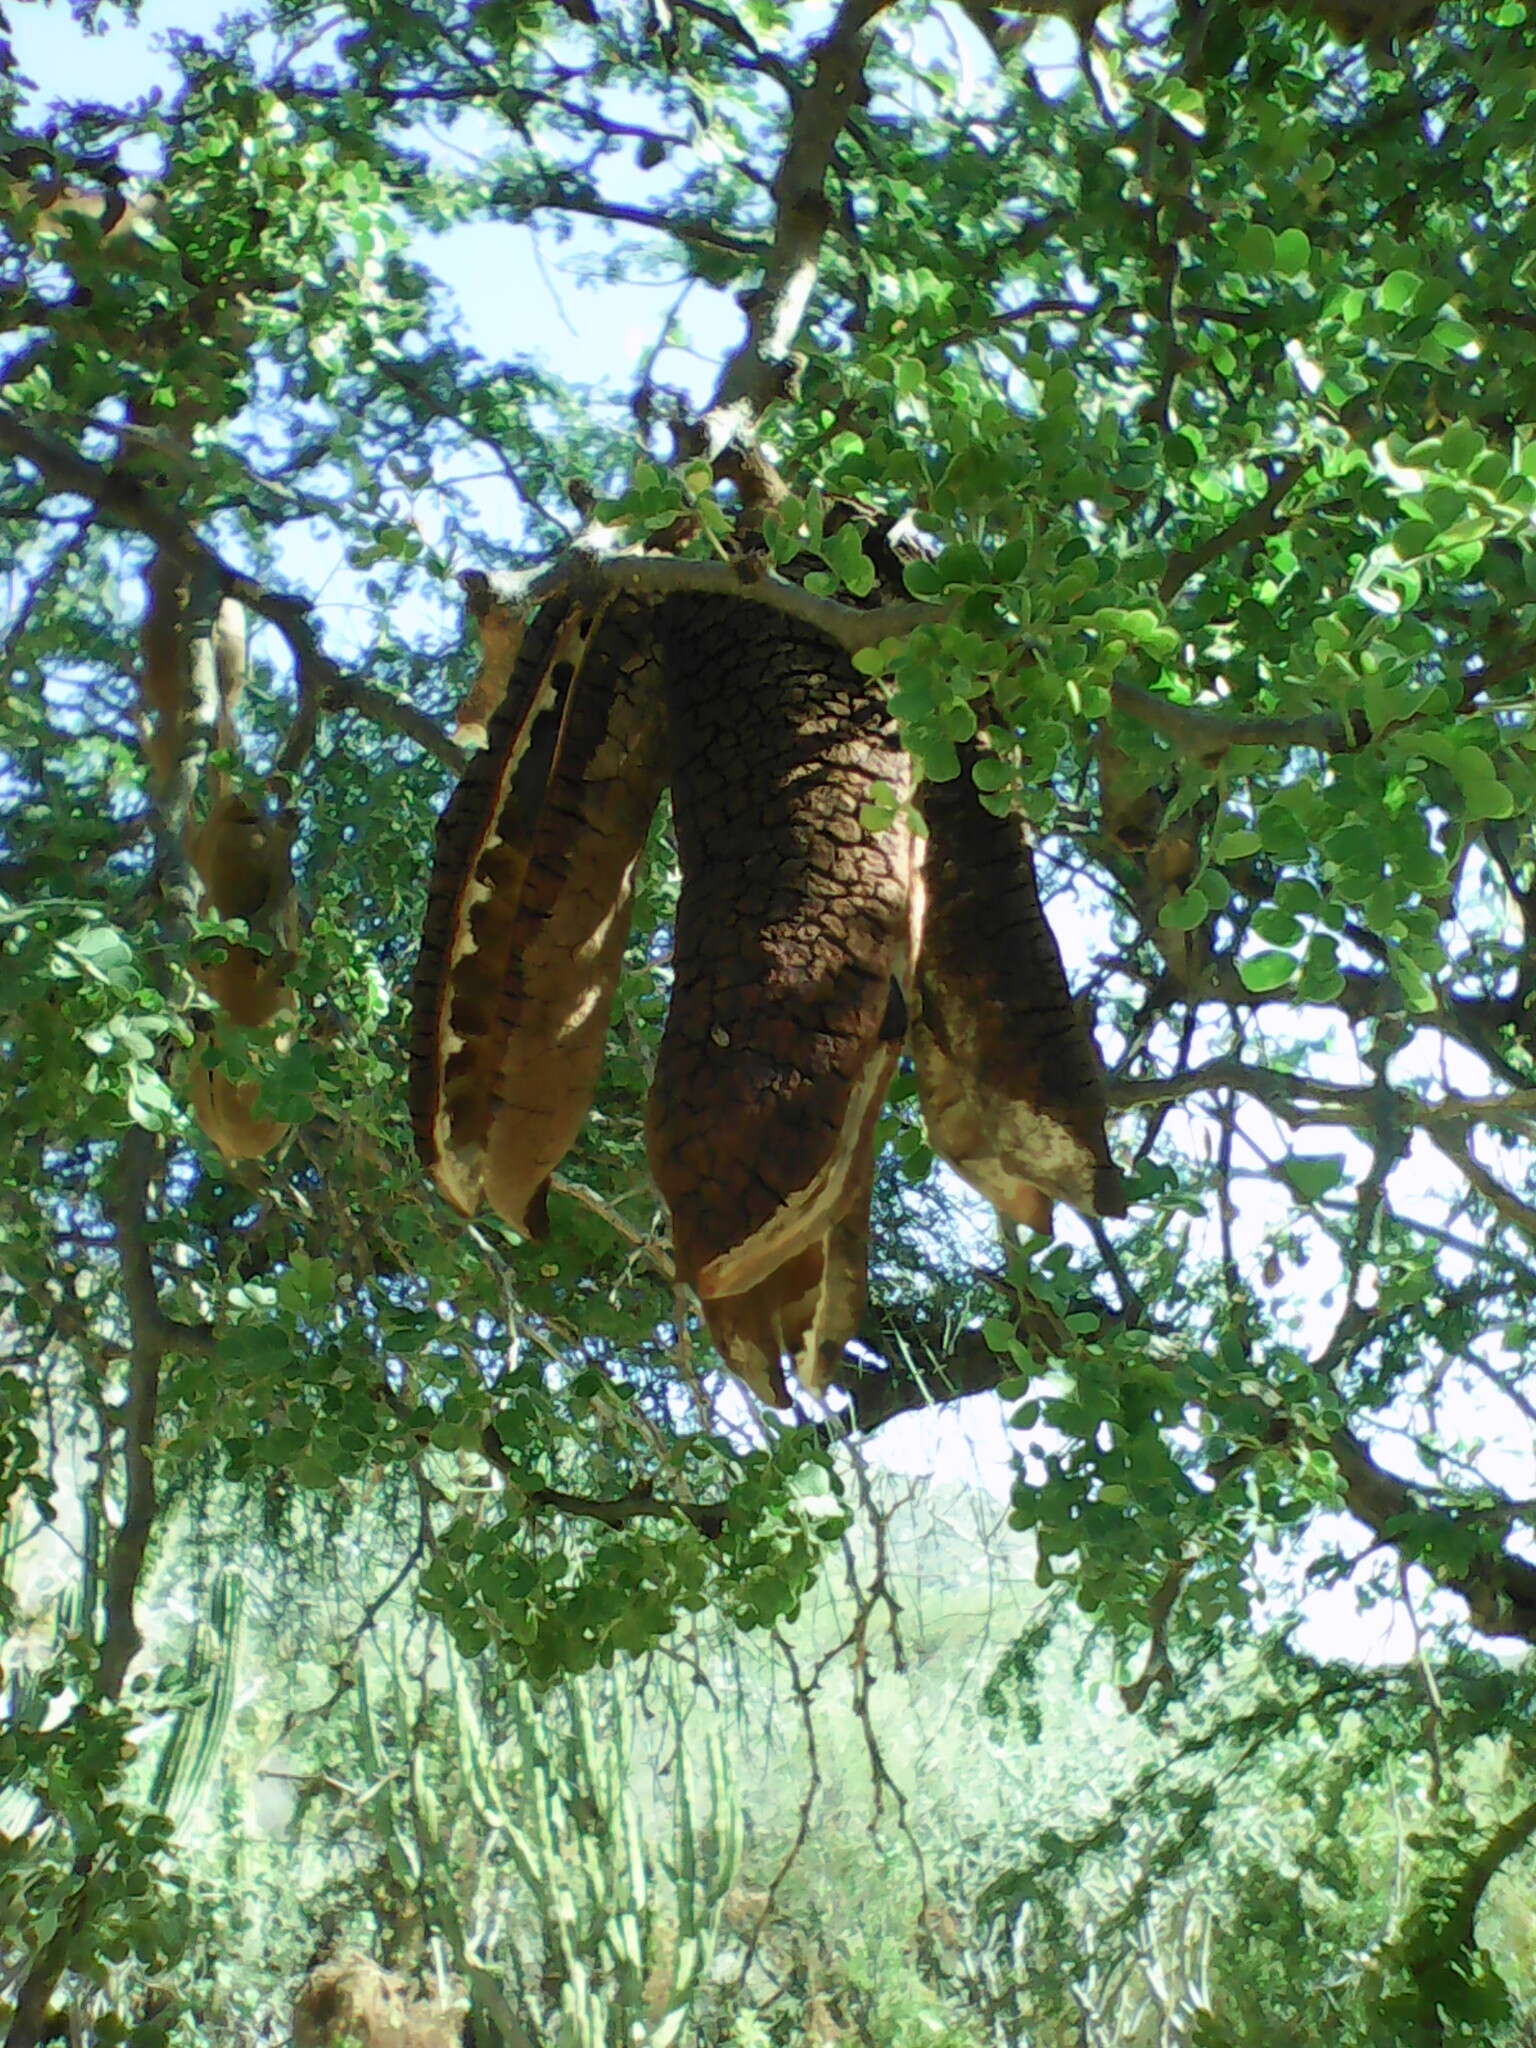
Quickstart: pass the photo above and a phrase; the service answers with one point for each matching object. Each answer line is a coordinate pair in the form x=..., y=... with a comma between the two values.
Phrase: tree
x=1196, y=345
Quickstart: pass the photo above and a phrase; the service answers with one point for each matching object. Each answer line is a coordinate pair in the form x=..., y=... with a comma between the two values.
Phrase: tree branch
x=1299, y=1099
x=588, y=573
x=1505, y=1204
x=750, y=379
x=641, y=1503
x=711, y=1521
x=1254, y=521
x=1208, y=733
x=1459, y=1936
x=1498, y=1588
x=555, y=200
x=151, y=1336
x=395, y=714
x=122, y=500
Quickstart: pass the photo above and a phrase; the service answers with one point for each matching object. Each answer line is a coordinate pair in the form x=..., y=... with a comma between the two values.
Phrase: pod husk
x=572, y=921
x=1007, y=1070
x=485, y=845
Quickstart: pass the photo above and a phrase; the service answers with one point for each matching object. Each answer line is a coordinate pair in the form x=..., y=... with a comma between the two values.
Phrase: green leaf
x=1413, y=538
x=1237, y=844
x=1397, y=291
x=1186, y=912
x=1293, y=253
x=1255, y=250
x=1263, y=973
x=1461, y=446
x=843, y=552
x=148, y=1101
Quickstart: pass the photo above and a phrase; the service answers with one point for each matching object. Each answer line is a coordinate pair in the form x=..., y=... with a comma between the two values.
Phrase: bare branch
x=124, y=501
x=1505, y=1204
x=395, y=714
x=1208, y=733
x=692, y=232
x=1297, y=1098
x=750, y=379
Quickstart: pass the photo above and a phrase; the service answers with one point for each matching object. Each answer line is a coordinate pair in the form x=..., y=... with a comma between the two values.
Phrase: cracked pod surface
x=530, y=900
x=1007, y=1070
x=792, y=956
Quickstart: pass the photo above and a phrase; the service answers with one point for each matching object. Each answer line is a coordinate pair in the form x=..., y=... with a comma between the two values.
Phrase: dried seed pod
x=530, y=898
x=484, y=844
x=808, y=1309
x=1007, y=1070
x=226, y=1110
x=793, y=951
x=243, y=858
x=191, y=677
x=573, y=921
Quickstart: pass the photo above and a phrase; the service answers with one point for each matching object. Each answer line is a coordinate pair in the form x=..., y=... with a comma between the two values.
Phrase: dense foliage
x=1196, y=342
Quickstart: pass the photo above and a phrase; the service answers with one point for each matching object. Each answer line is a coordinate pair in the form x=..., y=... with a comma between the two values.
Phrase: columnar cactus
x=613, y=1967
x=211, y=1675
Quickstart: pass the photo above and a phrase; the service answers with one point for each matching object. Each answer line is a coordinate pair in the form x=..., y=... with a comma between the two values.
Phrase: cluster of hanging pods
x=808, y=950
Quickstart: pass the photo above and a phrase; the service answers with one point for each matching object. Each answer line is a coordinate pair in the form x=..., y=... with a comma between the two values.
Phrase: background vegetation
x=375, y=1580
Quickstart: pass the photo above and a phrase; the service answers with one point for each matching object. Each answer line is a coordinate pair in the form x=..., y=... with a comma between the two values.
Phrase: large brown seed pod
x=793, y=954
x=1007, y=1070
x=559, y=800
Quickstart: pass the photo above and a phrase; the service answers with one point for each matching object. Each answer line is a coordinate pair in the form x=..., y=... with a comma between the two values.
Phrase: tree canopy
x=1192, y=344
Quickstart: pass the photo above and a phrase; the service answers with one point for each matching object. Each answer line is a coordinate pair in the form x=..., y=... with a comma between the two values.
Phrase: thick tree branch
x=1498, y=1587
x=122, y=500
x=590, y=574
x=1207, y=733
x=751, y=378
x=1459, y=1935
x=641, y=1503
x=151, y=1336
x=1297, y=1098
x=928, y=1371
